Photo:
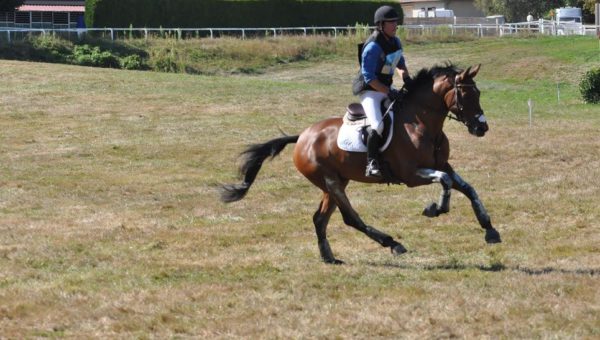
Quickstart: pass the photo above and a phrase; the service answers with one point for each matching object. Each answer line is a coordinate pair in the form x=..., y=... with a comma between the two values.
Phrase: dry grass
x=111, y=226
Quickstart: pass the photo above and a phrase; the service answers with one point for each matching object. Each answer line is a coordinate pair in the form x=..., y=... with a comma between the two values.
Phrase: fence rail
x=479, y=30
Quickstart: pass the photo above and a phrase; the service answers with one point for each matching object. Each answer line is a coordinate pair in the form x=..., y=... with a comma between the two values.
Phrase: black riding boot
x=373, y=143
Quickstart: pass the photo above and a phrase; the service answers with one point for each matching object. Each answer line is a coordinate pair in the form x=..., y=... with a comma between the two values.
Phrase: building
x=424, y=8
x=45, y=14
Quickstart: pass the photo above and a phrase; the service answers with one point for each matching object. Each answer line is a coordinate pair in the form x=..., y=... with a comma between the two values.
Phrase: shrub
x=132, y=62
x=50, y=49
x=93, y=56
x=166, y=61
x=590, y=86
x=227, y=13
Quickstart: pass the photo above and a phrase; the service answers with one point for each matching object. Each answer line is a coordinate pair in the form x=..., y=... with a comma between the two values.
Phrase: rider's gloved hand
x=395, y=94
x=407, y=81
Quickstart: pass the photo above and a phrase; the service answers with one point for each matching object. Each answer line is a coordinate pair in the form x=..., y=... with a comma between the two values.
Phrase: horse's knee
x=436, y=176
x=464, y=187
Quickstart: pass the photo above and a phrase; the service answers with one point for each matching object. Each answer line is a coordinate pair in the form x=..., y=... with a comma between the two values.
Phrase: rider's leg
x=371, y=102
x=373, y=144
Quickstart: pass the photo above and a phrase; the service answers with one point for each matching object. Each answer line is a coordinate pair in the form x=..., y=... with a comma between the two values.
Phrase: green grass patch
x=111, y=224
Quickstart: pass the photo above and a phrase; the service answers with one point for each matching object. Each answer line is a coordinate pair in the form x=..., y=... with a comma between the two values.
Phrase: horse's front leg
x=443, y=206
x=491, y=234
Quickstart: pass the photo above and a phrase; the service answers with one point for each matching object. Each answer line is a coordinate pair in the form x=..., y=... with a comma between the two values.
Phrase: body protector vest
x=389, y=59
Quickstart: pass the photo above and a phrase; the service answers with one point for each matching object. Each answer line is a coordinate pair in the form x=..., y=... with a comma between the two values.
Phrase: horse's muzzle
x=478, y=127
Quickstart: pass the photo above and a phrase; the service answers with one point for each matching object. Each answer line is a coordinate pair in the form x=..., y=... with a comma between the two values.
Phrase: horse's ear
x=472, y=73
x=461, y=76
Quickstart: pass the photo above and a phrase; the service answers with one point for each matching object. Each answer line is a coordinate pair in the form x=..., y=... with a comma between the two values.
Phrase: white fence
x=479, y=30
x=179, y=33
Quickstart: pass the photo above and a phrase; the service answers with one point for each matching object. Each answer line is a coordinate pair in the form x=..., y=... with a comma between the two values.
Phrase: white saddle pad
x=349, y=135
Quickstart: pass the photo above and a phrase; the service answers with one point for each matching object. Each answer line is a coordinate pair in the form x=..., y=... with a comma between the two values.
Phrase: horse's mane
x=426, y=76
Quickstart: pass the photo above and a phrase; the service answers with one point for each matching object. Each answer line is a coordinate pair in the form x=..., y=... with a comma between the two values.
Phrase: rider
x=381, y=54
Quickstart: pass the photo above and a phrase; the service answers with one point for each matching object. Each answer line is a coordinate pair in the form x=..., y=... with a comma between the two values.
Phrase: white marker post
x=530, y=104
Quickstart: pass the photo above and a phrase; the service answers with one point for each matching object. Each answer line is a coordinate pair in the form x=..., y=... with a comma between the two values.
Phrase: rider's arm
x=401, y=67
x=370, y=60
x=403, y=70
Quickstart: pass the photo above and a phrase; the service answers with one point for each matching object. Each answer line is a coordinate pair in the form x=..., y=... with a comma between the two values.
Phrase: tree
x=517, y=10
x=9, y=5
x=589, y=9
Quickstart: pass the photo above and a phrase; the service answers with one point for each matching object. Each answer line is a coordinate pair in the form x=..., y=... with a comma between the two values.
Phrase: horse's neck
x=427, y=108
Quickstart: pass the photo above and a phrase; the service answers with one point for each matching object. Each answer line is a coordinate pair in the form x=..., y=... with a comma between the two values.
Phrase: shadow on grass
x=493, y=268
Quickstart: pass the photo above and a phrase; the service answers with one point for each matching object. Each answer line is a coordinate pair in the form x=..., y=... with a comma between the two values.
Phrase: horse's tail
x=254, y=156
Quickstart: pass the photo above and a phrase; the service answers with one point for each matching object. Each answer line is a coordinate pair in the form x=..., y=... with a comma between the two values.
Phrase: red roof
x=35, y=8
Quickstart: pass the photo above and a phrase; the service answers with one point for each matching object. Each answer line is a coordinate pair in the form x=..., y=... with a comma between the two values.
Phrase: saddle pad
x=349, y=136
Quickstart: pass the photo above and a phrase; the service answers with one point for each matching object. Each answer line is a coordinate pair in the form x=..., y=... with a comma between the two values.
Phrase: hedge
x=230, y=13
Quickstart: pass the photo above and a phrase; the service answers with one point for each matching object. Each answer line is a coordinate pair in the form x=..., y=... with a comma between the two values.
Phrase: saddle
x=356, y=118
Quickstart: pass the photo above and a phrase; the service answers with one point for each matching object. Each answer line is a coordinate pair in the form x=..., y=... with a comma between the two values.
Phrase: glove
x=407, y=81
x=395, y=94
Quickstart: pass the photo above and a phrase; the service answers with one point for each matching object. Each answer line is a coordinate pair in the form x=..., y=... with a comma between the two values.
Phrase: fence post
x=530, y=105
x=112, y=36
x=8, y=35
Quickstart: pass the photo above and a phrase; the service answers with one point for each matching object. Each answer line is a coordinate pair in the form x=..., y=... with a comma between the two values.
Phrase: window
x=7, y=17
x=22, y=17
x=61, y=18
x=47, y=17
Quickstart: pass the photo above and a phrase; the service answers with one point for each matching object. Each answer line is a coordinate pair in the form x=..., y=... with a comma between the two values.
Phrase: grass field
x=111, y=227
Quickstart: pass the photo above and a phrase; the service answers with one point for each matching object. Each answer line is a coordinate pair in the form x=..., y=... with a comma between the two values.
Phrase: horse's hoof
x=333, y=261
x=492, y=236
x=398, y=249
x=431, y=210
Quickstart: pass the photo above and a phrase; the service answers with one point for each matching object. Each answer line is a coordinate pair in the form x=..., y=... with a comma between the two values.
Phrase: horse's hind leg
x=336, y=187
x=491, y=234
x=321, y=219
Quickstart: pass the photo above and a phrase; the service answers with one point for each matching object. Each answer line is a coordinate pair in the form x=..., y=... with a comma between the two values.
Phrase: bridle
x=458, y=103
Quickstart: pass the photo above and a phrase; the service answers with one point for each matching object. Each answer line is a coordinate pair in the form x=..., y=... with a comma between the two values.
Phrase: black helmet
x=385, y=13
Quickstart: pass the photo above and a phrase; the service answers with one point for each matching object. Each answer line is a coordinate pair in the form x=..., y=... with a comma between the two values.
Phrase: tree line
x=517, y=10
x=513, y=10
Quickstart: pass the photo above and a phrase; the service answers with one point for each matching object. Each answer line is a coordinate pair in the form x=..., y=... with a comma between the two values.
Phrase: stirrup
x=373, y=169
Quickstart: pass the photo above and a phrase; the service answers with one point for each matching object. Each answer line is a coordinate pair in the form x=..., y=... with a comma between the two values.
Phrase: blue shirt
x=372, y=62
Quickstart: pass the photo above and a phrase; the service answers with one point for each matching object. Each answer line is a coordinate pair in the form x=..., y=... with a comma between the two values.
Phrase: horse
x=417, y=155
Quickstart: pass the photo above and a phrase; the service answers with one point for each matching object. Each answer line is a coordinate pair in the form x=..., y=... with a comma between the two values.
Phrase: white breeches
x=371, y=102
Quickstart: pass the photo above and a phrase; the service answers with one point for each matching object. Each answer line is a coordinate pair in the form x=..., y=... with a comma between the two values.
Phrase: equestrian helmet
x=385, y=13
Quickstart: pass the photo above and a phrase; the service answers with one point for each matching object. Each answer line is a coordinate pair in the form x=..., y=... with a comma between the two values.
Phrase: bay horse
x=417, y=155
